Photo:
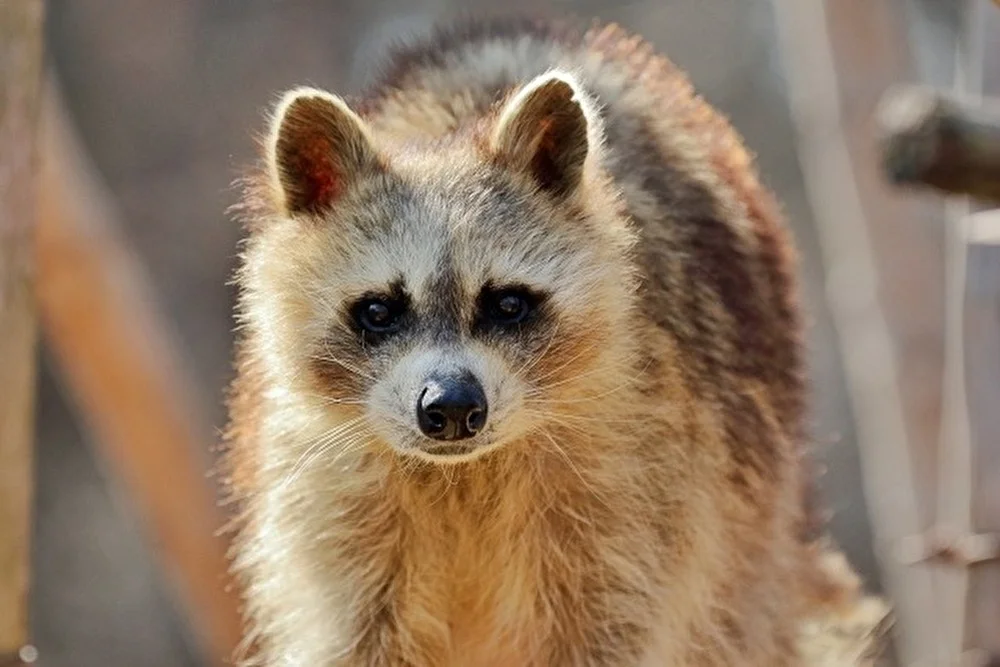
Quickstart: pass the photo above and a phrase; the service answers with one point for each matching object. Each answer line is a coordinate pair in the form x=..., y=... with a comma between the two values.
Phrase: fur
x=637, y=497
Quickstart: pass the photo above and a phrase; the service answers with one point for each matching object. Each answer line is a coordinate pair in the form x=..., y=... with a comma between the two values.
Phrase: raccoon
x=520, y=378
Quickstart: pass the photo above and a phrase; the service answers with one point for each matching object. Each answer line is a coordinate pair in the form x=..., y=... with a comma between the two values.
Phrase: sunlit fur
x=637, y=495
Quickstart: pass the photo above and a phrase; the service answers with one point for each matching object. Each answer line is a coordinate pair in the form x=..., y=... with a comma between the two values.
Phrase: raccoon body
x=520, y=375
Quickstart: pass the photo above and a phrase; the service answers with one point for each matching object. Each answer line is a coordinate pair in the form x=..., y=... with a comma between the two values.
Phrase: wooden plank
x=122, y=366
x=851, y=210
x=20, y=91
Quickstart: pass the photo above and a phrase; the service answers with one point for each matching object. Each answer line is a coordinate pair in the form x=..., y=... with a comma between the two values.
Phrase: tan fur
x=638, y=497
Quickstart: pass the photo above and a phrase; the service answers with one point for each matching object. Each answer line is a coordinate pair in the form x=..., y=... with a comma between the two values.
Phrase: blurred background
x=166, y=97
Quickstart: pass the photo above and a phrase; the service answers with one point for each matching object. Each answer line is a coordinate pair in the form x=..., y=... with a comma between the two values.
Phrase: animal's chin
x=450, y=453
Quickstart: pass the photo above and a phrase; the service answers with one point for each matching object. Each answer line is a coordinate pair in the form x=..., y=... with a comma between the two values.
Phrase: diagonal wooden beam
x=123, y=368
x=20, y=94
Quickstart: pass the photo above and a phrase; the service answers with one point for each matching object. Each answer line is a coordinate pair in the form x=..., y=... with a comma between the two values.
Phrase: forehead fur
x=457, y=215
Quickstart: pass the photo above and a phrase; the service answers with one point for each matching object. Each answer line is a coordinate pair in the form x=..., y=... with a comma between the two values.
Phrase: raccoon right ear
x=547, y=130
x=318, y=149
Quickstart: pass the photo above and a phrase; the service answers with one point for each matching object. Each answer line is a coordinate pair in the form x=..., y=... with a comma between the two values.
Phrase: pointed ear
x=318, y=149
x=547, y=130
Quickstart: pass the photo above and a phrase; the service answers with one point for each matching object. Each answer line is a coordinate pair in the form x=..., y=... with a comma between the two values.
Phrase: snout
x=452, y=407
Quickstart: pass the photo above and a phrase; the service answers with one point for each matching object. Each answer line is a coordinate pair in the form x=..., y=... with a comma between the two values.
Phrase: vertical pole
x=981, y=363
x=981, y=319
x=832, y=144
x=20, y=92
x=954, y=490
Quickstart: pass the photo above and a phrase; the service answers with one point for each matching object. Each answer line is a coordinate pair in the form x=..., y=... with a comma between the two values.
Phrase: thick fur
x=638, y=496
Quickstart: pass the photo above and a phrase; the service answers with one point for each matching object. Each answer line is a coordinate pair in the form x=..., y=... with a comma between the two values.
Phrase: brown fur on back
x=660, y=526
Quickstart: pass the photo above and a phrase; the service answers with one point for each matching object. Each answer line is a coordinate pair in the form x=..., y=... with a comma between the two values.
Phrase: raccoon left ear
x=544, y=130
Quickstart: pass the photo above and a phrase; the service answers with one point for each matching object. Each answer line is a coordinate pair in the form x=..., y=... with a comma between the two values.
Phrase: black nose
x=452, y=407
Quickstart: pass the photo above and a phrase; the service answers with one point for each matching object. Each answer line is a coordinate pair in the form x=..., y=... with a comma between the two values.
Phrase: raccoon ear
x=545, y=130
x=318, y=148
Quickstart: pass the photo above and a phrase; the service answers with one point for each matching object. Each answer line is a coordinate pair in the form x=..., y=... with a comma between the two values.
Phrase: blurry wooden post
x=116, y=355
x=839, y=55
x=952, y=143
x=20, y=92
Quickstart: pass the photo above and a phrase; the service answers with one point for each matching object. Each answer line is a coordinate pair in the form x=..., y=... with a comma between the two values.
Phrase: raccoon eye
x=378, y=316
x=509, y=307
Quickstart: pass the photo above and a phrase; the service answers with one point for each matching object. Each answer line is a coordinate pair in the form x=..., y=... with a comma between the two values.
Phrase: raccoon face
x=443, y=302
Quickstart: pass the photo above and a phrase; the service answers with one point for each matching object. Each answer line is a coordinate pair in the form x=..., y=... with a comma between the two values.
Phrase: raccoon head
x=447, y=298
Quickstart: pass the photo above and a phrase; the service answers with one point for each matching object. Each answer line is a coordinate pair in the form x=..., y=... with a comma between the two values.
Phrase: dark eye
x=378, y=316
x=509, y=307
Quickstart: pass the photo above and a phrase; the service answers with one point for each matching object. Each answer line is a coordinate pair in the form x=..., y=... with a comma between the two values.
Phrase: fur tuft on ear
x=547, y=130
x=318, y=148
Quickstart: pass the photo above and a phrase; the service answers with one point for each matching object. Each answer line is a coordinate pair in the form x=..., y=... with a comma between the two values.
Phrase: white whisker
x=316, y=447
